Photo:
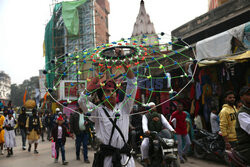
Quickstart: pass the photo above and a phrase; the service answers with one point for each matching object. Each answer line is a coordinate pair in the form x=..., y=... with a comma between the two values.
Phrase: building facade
x=5, y=87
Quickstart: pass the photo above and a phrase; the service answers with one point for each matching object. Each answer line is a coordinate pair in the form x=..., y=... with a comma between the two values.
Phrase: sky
x=22, y=25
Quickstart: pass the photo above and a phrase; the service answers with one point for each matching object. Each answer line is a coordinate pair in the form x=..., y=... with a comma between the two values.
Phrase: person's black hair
x=34, y=110
x=23, y=108
x=244, y=90
x=179, y=102
x=230, y=92
x=213, y=109
x=239, y=101
x=99, y=93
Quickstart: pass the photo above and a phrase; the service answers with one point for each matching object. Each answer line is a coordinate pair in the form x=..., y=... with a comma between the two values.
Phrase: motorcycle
x=206, y=143
x=236, y=158
x=93, y=139
x=138, y=140
x=163, y=150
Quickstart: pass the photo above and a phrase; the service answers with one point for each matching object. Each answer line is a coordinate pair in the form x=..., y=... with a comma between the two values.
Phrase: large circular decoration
x=151, y=58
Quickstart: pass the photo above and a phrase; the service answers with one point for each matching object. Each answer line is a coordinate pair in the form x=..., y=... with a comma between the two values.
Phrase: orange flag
x=44, y=99
x=24, y=97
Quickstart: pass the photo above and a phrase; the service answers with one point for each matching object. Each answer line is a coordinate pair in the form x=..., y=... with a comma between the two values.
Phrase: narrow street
x=43, y=159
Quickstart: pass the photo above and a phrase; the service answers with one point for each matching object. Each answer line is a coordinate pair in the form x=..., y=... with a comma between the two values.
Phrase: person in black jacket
x=49, y=124
x=21, y=124
x=78, y=127
x=59, y=134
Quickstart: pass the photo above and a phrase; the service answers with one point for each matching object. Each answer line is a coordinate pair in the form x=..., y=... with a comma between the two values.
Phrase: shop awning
x=222, y=44
x=233, y=58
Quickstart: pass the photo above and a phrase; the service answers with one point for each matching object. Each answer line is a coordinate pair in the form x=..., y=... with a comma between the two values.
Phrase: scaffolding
x=62, y=43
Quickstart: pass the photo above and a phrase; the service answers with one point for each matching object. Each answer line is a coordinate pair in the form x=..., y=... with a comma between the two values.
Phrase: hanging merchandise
x=198, y=90
x=168, y=76
x=192, y=108
x=192, y=91
x=206, y=92
x=165, y=106
x=197, y=107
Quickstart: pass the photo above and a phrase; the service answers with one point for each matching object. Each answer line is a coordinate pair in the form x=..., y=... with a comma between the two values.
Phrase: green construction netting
x=71, y=22
x=49, y=51
x=70, y=16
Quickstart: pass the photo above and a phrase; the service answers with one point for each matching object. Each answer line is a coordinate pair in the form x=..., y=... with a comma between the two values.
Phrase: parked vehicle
x=206, y=143
x=236, y=159
x=163, y=150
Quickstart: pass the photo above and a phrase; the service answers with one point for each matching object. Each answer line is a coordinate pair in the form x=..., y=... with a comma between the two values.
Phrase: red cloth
x=138, y=95
x=60, y=118
x=181, y=124
x=197, y=107
x=192, y=91
x=165, y=106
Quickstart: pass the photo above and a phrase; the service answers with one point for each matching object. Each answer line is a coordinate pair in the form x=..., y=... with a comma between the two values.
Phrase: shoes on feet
x=185, y=157
x=65, y=163
x=24, y=148
x=8, y=155
x=78, y=158
x=182, y=161
x=29, y=148
x=87, y=161
x=36, y=152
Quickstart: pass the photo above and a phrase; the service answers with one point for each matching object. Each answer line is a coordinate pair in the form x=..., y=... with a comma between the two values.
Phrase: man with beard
x=112, y=133
x=21, y=124
x=152, y=121
x=34, y=126
x=228, y=120
x=243, y=124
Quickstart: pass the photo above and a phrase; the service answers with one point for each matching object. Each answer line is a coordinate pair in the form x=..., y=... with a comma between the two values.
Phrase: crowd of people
x=34, y=127
x=232, y=121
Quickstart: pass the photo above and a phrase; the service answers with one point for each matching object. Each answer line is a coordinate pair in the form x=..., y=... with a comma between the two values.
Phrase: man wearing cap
x=9, y=135
x=152, y=121
x=58, y=135
x=34, y=126
x=21, y=124
x=243, y=125
x=111, y=120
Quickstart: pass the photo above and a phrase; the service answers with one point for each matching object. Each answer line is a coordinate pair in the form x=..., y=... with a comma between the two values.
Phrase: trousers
x=59, y=145
x=145, y=148
x=82, y=138
x=23, y=134
x=182, y=150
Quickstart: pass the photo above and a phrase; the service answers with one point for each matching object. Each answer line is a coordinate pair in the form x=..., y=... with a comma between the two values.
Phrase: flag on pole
x=44, y=99
x=24, y=97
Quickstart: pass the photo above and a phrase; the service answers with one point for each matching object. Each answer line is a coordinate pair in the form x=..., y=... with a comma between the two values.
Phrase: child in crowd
x=214, y=121
x=59, y=134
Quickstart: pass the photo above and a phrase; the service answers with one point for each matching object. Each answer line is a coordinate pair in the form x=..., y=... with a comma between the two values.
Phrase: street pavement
x=43, y=159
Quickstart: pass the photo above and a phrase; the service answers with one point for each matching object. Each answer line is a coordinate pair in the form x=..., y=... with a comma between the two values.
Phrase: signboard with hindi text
x=71, y=89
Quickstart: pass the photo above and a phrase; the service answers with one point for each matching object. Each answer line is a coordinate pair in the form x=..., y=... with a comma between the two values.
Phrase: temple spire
x=143, y=25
